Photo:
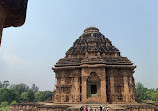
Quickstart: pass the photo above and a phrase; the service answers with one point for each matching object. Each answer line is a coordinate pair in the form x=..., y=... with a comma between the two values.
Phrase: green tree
x=8, y=95
x=4, y=104
x=147, y=95
x=13, y=102
x=24, y=97
x=1, y=85
x=30, y=96
x=34, y=88
x=38, y=96
x=140, y=92
x=154, y=96
x=47, y=95
x=20, y=88
x=5, y=84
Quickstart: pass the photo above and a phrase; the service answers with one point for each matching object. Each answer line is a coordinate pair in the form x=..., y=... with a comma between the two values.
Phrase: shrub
x=4, y=104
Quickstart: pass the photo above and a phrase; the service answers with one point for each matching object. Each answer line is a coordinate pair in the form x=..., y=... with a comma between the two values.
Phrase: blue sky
x=28, y=52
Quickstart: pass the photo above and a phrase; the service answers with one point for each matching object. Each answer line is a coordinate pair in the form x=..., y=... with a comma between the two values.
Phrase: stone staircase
x=97, y=106
x=93, y=106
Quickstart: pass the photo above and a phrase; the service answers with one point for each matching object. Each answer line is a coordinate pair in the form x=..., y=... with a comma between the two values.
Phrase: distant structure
x=12, y=13
x=93, y=71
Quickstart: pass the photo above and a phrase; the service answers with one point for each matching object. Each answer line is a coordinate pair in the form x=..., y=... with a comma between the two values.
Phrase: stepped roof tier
x=92, y=47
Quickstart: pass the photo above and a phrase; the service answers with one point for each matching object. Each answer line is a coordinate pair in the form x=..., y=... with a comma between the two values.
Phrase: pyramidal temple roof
x=91, y=40
x=92, y=47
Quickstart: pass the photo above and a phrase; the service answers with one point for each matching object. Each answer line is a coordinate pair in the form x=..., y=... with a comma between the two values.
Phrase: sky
x=28, y=53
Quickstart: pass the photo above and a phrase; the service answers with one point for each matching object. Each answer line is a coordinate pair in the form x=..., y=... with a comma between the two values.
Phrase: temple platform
x=76, y=107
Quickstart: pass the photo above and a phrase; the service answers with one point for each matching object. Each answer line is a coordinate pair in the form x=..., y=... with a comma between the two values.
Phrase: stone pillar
x=126, y=86
x=112, y=89
x=103, y=86
x=2, y=19
x=132, y=89
x=77, y=89
x=84, y=89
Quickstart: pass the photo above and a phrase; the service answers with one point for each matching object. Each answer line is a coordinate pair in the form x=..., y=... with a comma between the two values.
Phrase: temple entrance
x=93, y=85
x=93, y=89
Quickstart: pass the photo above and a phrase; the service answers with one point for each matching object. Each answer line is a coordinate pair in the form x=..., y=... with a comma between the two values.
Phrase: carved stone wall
x=120, y=85
x=42, y=107
x=100, y=73
x=68, y=88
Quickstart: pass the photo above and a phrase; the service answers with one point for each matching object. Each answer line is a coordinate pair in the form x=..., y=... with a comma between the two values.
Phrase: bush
x=13, y=102
x=4, y=104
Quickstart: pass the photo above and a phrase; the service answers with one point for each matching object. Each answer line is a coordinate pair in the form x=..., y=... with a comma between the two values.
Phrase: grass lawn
x=4, y=108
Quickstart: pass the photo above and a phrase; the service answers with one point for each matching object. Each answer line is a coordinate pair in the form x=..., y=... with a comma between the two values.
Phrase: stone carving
x=94, y=71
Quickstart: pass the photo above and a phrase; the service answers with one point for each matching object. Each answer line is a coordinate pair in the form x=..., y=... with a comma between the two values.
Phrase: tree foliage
x=5, y=84
x=140, y=92
x=14, y=102
x=4, y=104
x=47, y=95
x=34, y=88
x=30, y=96
x=20, y=88
x=8, y=95
x=38, y=96
x=154, y=96
x=20, y=93
x=145, y=94
x=24, y=97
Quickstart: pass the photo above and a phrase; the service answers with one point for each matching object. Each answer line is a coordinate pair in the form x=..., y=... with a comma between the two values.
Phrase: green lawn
x=4, y=108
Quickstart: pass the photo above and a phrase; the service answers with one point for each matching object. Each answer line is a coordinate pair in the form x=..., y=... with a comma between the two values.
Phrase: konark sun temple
x=93, y=72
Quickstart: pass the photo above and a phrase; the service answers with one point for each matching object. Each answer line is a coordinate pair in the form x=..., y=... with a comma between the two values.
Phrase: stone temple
x=93, y=71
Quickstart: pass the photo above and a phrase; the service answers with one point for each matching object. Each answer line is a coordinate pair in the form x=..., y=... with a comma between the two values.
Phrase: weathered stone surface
x=92, y=47
x=76, y=107
x=94, y=71
x=12, y=13
x=37, y=107
x=2, y=20
x=15, y=12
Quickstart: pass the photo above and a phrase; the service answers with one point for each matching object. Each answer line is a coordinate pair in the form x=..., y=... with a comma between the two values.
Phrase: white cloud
x=16, y=69
x=13, y=63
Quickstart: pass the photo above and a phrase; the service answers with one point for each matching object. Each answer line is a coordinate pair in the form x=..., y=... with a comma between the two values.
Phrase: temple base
x=76, y=107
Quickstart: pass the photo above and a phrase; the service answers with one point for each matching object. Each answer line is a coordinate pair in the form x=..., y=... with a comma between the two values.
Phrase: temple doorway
x=93, y=85
x=93, y=89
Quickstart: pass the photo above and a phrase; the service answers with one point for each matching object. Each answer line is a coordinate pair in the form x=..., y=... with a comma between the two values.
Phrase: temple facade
x=93, y=71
